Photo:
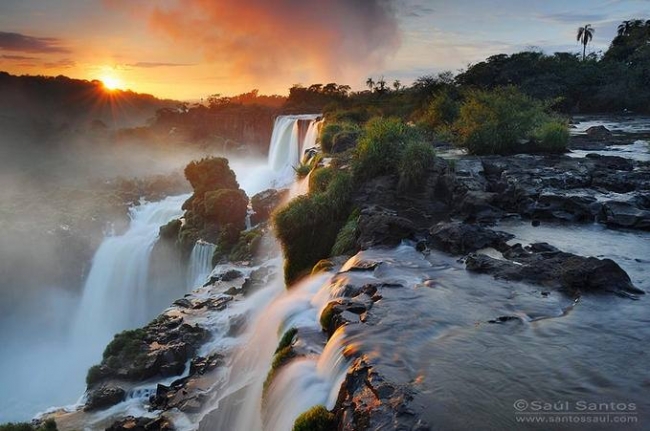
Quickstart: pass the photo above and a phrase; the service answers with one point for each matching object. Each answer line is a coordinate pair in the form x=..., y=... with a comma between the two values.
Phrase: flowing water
x=119, y=292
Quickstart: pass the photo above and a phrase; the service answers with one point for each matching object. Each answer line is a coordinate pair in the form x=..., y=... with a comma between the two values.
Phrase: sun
x=111, y=82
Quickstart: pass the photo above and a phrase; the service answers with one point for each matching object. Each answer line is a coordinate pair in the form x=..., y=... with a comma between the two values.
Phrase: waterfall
x=115, y=293
x=285, y=150
x=200, y=265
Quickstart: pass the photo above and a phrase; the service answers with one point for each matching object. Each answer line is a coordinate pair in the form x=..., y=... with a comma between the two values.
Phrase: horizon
x=193, y=50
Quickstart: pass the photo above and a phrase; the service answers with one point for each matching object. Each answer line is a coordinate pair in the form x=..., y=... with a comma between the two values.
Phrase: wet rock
x=264, y=203
x=599, y=133
x=380, y=226
x=105, y=395
x=625, y=214
x=183, y=303
x=461, y=238
x=131, y=423
x=504, y=319
x=369, y=402
x=555, y=269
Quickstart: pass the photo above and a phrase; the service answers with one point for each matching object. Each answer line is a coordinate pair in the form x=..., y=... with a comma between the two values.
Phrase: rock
x=171, y=229
x=210, y=173
x=183, y=303
x=544, y=265
x=105, y=395
x=379, y=226
x=264, y=203
x=598, y=132
x=461, y=238
x=131, y=423
x=344, y=140
x=625, y=214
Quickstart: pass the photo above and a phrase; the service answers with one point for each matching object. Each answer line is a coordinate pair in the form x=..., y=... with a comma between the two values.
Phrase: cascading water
x=200, y=264
x=115, y=296
x=286, y=147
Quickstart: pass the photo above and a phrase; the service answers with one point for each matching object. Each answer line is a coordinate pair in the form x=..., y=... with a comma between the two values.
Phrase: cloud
x=149, y=65
x=24, y=43
x=301, y=41
x=577, y=18
x=17, y=58
x=60, y=64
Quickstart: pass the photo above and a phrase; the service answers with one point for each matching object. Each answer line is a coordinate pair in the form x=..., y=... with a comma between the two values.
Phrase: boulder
x=461, y=238
x=380, y=226
x=105, y=395
x=600, y=133
x=265, y=202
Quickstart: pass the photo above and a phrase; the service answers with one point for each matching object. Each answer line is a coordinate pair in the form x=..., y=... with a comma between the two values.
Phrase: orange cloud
x=284, y=40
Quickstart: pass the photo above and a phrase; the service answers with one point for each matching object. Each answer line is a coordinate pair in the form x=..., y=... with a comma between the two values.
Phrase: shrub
x=94, y=375
x=317, y=418
x=552, y=137
x=381, y=145
x=210, y=173
x=493, y=122
x=413, y=165
x=320, y=179
x=247, y=245
x=307, y=226
x=127, y=344
x=302, y=170
x=338, y=134
x=442, y=111
x=227, y=206
x=346, y=240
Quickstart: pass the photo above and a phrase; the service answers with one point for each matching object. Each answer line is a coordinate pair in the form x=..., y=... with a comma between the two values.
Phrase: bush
x=94, y=375
x=338, y=134
x=552, y=137
x=346, y=240
x=413, y=165
x=127, y=344
x=307, y=226
x=442, y=111
x=317, y=418
x=210, y=173
x=381, y=145
x=227, y=206
x=320, y=179
x=493, y=122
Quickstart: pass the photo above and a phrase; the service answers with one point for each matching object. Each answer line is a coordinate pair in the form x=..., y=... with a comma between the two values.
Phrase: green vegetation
x=287, y=339
x=346, y=240
x=307, y=227
x=302, y=170
x=495, y=122
x=413, y=164
x=552, y=136
x=127, y=344
x=246, y=246
x=210, y=173
x=322, y=266
x=48, y=425
x=94, y=374
x=326, y=316
x=317, y=418
x=338, y=135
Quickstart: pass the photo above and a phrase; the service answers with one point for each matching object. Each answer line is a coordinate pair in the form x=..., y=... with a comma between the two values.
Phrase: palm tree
x=585, y=34
x=370, y=83
x=397, y=84
x=624, y=28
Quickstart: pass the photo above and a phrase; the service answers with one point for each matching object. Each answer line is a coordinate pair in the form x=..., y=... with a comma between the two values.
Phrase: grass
x=317, y=418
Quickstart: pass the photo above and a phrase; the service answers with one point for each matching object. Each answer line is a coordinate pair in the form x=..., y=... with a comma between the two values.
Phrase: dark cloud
x=24, y=43
x=148, y=65
x=60, y=64
x=301, y=40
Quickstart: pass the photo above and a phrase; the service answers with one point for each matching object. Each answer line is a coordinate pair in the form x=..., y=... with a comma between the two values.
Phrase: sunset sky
x=188, y=49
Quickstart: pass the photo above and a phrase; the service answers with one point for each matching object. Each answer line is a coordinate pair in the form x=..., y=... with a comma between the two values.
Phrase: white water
x=301, y=384
x=200, y=264
x=286, y=149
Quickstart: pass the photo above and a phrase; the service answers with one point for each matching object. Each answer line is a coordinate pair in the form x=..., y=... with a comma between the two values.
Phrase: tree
x=624, y=28
x=370, y=83
x=585, y=34
x=397, y=85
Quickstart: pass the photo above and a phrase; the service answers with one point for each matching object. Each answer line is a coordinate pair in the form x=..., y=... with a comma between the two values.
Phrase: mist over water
x=55, y=324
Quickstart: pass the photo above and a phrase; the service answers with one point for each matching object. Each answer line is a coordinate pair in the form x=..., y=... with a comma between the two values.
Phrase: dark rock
x=105, y=395
x=226, y=206
x=171, y=229
x=461, y=238
x=183, y=303
x=380, y=226
x=598, y=132
x=504, y=319
x=131, y=423
x=344, y=141
x=231, y=275
x=264, y=203
x=555, y=269
x=625, y=214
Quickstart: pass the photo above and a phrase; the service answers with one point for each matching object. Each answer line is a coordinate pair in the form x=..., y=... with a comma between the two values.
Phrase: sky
x=190, y=49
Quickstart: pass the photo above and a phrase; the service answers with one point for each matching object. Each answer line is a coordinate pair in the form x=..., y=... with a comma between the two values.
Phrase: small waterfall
x=115, y=293
x=200, y=265
x=285, y=150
